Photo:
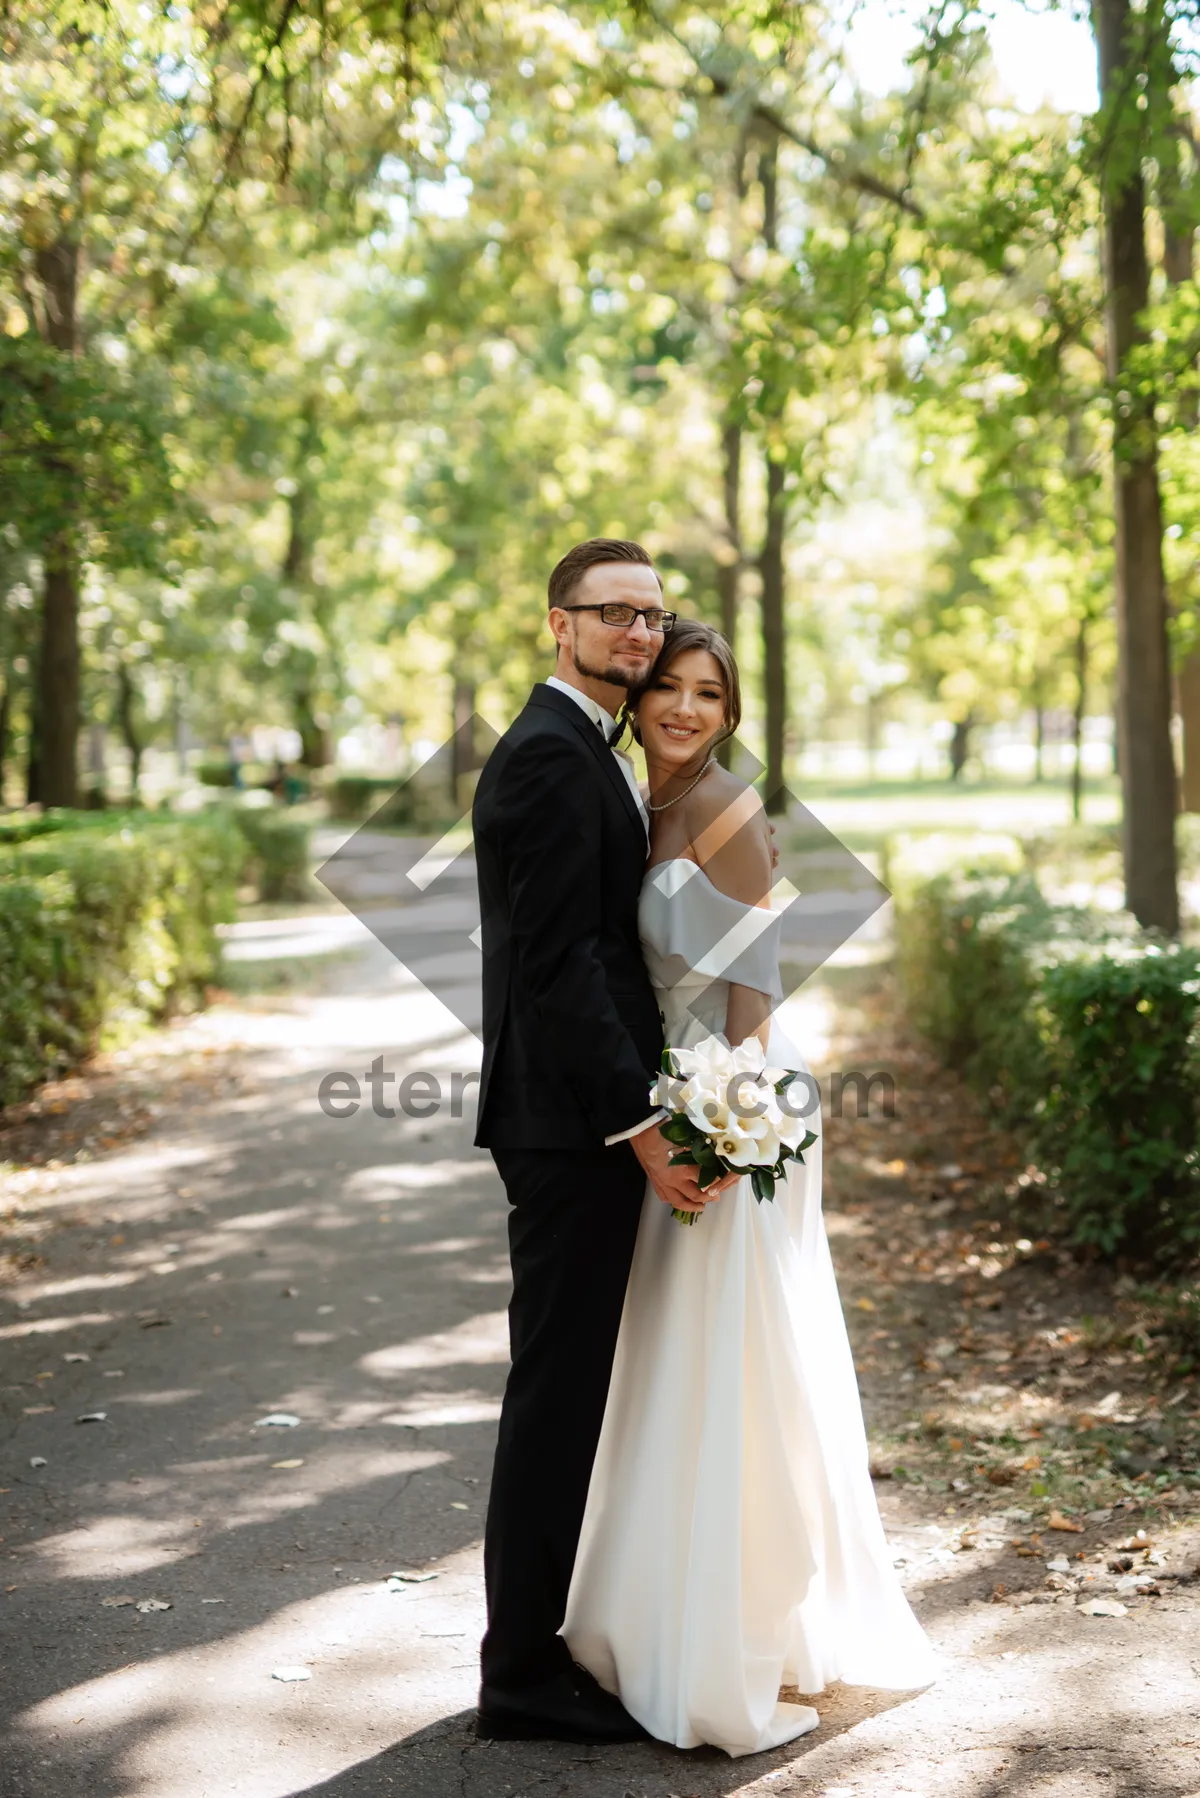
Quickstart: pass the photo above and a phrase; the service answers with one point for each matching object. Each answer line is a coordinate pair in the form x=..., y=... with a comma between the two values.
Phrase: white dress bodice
x=697, y=942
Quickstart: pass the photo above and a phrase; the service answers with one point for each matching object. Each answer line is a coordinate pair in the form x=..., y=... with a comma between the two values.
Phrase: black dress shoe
x=571, y=1707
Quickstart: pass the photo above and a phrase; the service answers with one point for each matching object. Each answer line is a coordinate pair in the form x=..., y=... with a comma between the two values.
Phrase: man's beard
x=616, y=677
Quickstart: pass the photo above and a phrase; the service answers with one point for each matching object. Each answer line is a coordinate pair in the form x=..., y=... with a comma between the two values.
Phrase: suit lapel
x=579, y=720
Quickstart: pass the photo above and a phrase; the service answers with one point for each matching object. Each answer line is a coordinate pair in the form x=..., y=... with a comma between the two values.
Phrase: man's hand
x=675, y=1186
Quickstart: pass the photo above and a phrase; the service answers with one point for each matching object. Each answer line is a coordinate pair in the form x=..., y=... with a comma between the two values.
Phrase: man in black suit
x=572, y=1041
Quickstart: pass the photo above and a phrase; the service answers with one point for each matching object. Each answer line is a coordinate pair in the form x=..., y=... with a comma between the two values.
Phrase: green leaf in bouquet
x=683, y=1158
x=763, y=1181
x=679, y=1129
x=711, y=1167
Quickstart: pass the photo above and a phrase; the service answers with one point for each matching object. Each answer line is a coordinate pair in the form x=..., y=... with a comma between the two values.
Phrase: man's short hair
x=574, y=565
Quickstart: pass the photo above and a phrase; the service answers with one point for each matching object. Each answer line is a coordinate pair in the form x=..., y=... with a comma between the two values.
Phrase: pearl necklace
x=669, y=802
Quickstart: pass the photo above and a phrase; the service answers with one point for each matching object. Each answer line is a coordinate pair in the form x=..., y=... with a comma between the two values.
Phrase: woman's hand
x=675, y=1186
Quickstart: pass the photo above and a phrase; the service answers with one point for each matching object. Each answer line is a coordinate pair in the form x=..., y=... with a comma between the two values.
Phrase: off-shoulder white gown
x=731, y=1542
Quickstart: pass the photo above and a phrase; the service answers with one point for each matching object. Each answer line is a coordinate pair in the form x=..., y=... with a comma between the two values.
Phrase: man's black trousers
x=572, y=1227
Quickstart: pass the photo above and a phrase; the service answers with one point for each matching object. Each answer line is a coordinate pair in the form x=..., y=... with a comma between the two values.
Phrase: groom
x=572, y=1040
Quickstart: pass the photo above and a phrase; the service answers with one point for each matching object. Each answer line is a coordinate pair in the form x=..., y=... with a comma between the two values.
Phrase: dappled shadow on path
x=253, y=1255
x=447, y=1760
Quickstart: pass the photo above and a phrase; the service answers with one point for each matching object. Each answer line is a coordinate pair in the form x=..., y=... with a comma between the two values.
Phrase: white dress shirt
x=606, y=724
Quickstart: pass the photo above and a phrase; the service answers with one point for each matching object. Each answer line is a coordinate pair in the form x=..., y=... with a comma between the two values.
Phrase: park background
x=324, y=331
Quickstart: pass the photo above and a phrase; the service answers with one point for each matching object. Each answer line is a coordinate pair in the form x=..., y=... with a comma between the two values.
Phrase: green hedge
x=105, y=921
x=278, y=844
x=1081, y=1033
x=355, y=796
x=418, y=801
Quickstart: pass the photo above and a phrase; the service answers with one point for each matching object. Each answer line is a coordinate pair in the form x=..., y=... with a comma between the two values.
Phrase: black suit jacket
x=571, y=1031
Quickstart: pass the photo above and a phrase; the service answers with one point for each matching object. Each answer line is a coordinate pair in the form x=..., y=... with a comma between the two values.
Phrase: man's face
x=621, y=655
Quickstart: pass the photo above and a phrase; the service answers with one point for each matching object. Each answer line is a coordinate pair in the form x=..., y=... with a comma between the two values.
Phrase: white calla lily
x=749, y=1057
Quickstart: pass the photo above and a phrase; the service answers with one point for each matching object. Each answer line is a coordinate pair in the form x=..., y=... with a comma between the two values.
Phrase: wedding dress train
x=731, y=1542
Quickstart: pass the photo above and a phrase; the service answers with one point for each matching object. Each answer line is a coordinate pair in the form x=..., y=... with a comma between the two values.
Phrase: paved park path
x=212, y=1250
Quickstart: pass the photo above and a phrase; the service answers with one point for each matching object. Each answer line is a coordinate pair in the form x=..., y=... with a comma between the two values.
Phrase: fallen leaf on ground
x=93, y=1417
x=410, y=1577
x=117, y=1604
x=77, y=1357
x=37, y=1460
x=1057, y=1521
x=36, y=1410
x=456, y=1506
x=1102, y=1607
x=287, y=1463
x=280, y=1420
x=153, y=1604
x=290, y=1675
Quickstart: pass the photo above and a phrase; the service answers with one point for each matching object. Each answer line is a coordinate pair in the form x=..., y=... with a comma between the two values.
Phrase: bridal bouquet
x=726, y=1115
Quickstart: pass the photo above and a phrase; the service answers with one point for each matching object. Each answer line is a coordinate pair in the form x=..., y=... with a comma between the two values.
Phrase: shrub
x=218, y=772
x=966, y=958
x=278, y=844
x=355, y=796
x=1080, y=1034
x=417, y=802
x=214, y=773
x=1119, y=1125
x=104, y=923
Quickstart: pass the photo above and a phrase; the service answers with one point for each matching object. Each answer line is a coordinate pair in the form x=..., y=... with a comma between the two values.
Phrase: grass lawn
x=863, y=813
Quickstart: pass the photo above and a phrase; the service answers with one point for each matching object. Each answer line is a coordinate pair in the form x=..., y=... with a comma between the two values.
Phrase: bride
x=731, y=1543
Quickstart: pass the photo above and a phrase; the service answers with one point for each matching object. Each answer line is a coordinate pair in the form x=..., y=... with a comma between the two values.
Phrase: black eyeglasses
x=623, y=616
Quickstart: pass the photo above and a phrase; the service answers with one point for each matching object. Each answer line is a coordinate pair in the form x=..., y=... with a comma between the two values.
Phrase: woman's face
x=682, y=711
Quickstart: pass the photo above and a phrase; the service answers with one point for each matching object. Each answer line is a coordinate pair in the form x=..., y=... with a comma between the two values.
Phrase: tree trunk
x=129, y=735
x=729, y=566
x=871, y=721
x=960, y=746
x=5, y=717
x=770, y=562
x=1177, y=208
x=1189, y=712
x=1144, y=684
x=770, y=565
x=1081, y=671
x=315, y=747
x=179, y=727
x=58, y=677
x=296, y=572
x=1178, y=266
x=33, y=759
x=53, y=771
x=463, y=757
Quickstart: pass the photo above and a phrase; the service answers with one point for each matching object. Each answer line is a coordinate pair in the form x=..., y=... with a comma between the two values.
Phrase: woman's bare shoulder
x=719, y=792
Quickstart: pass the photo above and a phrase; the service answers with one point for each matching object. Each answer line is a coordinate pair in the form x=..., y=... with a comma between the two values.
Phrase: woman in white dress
x=731, y=1543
